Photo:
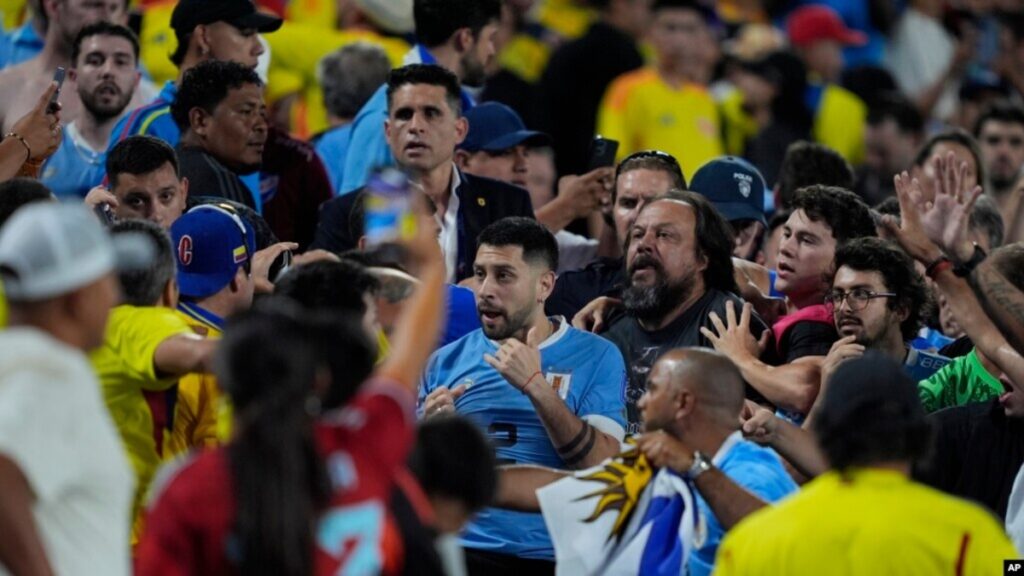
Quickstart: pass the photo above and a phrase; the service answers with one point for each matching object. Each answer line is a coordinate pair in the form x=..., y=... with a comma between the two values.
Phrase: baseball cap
x=241, y=14
x=494, y=127
x=734, y=186
x=50, y=249
x=211, y=242
x=810, y=24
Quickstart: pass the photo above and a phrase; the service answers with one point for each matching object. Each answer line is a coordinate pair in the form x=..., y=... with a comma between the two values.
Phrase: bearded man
x=105, y=74
x=678, y=271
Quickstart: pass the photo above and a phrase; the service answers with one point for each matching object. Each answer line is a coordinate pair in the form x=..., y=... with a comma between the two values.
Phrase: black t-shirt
x=978, y=452
x=640, y=348
x=576, y=289
x=208, y=177
x=807, y=338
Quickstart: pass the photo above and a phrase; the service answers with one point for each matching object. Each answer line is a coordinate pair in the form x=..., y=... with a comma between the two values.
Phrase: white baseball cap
x=50, y=249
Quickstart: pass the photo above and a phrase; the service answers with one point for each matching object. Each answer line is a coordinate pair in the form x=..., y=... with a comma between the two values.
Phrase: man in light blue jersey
x=457, y=35
x=105, y=59
x=877, y=298
x=544, y=392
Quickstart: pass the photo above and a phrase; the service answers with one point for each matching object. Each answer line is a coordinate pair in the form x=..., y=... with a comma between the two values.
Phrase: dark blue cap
x=211, y=242
x=494, y=127
x=734, y=186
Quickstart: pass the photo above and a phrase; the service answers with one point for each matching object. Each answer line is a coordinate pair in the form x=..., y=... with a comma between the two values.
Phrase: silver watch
x=700, y=465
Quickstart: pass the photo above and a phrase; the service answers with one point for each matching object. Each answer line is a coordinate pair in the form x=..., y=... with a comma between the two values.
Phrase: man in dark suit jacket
x=424, y=125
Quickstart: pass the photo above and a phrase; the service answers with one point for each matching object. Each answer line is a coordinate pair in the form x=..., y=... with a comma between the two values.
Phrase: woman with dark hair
x=320, y=439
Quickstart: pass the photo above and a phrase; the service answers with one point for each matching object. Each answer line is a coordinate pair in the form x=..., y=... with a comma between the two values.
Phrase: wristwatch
x=964, y=269
x=700, y=465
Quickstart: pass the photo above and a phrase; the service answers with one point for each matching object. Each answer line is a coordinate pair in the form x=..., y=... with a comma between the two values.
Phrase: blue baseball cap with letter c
x=211, y=243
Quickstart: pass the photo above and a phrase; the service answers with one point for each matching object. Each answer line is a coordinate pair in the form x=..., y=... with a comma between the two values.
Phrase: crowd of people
x=670, y=287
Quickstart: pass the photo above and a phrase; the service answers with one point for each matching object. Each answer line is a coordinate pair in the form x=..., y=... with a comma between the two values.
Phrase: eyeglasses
x=857, y=299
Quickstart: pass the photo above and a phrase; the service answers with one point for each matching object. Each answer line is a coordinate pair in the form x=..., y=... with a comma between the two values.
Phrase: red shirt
x=363, y=445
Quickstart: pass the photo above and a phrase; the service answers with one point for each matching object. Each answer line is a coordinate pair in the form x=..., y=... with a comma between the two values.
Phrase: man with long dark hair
x=678, y=271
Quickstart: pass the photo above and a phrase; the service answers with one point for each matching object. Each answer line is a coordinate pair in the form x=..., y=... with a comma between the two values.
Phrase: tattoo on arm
x=578, y=448
x=1003, y=302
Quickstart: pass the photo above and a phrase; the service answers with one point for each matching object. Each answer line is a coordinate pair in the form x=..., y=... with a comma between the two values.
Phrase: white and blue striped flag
x=622, y=518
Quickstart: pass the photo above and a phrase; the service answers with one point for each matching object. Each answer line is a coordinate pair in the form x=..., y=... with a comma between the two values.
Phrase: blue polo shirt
x=589, y=374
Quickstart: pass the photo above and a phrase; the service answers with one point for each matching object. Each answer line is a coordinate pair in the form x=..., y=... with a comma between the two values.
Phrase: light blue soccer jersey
x=74, y=168
x=589, y=374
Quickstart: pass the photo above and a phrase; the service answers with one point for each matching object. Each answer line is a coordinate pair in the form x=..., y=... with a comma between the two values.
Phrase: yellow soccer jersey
x=139, y=399
x=642, y=112
x=839, y=123
x=296, y=51
x=867, y=523
x=199, y=396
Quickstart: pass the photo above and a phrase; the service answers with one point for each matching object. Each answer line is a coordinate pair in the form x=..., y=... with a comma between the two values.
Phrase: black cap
x=241, y=14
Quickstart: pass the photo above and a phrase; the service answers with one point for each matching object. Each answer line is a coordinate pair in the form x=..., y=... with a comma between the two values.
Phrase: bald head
x=711, y=377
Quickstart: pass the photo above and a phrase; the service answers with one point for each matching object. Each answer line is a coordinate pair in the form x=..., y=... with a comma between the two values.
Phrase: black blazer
x=481, y=202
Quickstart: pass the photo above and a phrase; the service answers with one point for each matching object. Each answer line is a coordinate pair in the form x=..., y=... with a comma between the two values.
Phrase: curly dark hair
x=841, y=210
x=898, y=272
x=207, y=85
x=714, y=239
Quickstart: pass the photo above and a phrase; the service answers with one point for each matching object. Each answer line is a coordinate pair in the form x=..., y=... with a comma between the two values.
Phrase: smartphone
x=281, y=265
x=105, y=214
x=602, y=152
x=388, y=209
x=58, y=77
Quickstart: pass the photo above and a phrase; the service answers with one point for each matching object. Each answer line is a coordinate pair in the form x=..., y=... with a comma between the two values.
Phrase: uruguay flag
x=621, y=517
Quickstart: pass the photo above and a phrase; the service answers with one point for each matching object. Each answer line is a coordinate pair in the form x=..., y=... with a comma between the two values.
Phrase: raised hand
x=733, y=338
x=945, y=220
x=517, y=362
x=40, y=128
x=908, y=229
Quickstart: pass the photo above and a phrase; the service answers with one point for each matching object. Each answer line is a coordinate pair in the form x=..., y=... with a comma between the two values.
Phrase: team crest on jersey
x=560, y=381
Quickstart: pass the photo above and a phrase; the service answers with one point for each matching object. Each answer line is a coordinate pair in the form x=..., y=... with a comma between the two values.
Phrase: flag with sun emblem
x=622, y=517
